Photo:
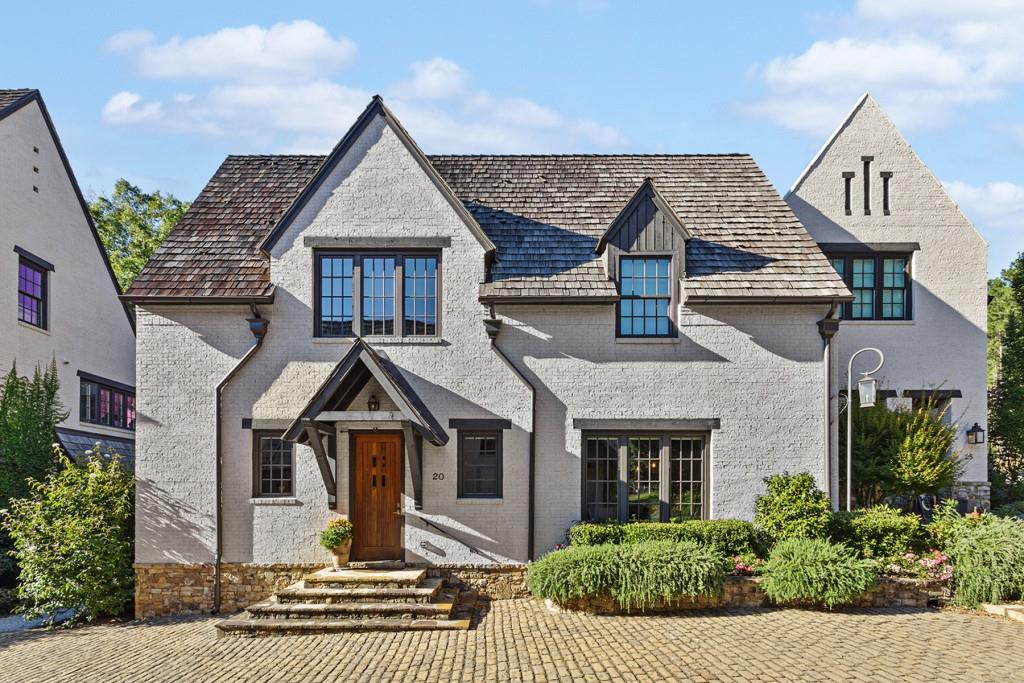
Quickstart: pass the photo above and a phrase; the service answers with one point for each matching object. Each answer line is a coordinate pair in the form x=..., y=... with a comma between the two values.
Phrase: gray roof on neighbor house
x=544, y=213
x=11, y=96
x=76, y=443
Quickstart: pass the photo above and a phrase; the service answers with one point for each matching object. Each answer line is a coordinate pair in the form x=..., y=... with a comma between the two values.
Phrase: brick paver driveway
x=519, y=640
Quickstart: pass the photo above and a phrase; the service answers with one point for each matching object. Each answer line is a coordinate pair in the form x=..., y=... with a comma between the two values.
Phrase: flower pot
x=339, y=556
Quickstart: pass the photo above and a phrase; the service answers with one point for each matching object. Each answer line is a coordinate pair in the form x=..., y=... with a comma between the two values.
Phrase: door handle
x=398, y=510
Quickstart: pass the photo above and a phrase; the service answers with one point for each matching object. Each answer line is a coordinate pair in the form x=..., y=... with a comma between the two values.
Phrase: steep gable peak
x=646, y=192
x=376, y=108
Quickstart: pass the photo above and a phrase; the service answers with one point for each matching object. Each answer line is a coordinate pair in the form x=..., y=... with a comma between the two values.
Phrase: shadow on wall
x=165, y=527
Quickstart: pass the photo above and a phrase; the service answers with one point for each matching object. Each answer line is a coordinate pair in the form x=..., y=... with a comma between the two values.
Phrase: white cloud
x=921, y=58
x=307, y=112
x=998, y=205
x=299, y=49
x=433, y=79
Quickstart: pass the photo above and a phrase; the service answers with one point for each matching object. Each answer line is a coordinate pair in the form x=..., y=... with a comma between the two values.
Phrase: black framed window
x=377, y=294
x=106, y=405
x=645, y=289
x=273, y=465
x=480, y=464
x=881, y=285
x=647, y=477
x=32, y=294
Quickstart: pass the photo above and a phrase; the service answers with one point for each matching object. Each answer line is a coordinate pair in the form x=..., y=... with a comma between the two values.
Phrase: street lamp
x=866, y=388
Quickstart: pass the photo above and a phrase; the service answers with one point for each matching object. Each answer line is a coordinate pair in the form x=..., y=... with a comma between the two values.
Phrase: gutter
x=827, y=328
x=493, y=325
x=258, y=326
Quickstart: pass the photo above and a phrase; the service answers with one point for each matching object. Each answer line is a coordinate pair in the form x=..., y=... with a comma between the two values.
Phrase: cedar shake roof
x=9, y=97
x=544, y=213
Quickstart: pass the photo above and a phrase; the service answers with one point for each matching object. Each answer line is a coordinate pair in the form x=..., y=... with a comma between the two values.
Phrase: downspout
x=493, y=326
x=258, y=326
x=827, y=328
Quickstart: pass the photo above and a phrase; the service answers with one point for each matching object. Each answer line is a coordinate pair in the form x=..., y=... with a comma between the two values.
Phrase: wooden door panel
x=377, y=496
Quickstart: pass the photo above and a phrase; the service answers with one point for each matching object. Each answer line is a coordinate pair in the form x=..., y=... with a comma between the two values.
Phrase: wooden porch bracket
x=320, y=452
x=414, y=453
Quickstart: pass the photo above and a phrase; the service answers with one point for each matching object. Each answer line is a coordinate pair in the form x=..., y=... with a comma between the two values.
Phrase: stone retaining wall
x=745, y=591
x=499, y=582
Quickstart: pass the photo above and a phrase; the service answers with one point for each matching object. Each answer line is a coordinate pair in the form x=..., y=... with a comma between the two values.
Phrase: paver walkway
x=519, y=640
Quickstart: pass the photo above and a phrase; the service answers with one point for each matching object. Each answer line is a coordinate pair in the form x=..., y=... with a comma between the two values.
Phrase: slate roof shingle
x=11, y=95
x=545, y=214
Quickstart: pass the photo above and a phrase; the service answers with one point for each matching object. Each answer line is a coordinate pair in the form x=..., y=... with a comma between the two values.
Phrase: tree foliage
x=29, y=411
x=132, y=224
x=924, y=460
x=73, y=539
x=1006, y=397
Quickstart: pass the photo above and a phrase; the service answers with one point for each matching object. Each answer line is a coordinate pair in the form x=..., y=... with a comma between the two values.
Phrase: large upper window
x=644, y=477
x=387, y=295
x=880, y=284
x=273, y=466
x=31, y=293
x=645, y=297
x=106, y=405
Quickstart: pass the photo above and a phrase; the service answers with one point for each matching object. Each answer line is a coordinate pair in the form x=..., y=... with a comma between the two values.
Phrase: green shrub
x=73, y=539
x=807, y=571
x=337, y=532
x=728, y=536
x=988, y=560
x=1010, y=510
x=794, y=507
x=947, y=524
x=636, y=575
x=878, y=532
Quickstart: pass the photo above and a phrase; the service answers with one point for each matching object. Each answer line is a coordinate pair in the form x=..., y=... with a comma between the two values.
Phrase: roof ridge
x=585, y=155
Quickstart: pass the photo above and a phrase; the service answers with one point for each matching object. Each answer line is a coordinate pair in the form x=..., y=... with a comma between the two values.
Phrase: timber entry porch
x=354, y=599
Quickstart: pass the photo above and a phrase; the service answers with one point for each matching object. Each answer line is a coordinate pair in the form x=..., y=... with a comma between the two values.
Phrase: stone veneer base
x=745, y=591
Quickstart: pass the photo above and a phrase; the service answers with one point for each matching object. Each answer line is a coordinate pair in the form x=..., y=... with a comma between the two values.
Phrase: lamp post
x=866, y=389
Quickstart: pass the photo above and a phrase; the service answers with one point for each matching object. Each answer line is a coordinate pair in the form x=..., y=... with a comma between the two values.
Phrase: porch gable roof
x=349, y=376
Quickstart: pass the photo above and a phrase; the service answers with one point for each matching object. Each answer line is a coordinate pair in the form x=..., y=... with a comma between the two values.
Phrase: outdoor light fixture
x=866, y=389
x=975, y=434
x=373, y=404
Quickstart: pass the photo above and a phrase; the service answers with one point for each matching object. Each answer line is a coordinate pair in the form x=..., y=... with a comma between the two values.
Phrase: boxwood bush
x=878, y=532
x=636, y=575
x=793, y=507
x=808, y=571
x=729, y=536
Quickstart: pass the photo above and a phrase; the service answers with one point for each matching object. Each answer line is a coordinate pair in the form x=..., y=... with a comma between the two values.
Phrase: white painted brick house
x=465, y=354
x=58, y=290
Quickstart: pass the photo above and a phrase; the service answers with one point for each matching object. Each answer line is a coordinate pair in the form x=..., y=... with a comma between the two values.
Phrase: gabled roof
x=349, y=376
x=12, y=100
x=816, y=159
x=646, y=191
x=374, y=109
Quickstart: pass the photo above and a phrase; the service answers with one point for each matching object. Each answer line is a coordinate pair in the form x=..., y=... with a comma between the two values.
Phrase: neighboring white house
x=917, y=269
x=465, y=354
x=59, y=292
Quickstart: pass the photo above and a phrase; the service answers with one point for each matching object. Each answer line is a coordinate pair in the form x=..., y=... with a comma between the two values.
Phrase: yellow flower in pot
x=337, y=538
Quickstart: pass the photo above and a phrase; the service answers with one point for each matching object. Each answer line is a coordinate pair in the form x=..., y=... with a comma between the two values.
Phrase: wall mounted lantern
x=373, y=404
x=975, y=435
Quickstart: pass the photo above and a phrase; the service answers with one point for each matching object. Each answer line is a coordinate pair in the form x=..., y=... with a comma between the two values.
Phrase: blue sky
x=160, y=92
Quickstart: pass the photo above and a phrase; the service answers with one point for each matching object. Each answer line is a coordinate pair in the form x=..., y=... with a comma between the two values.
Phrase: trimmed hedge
x=729, y=536
x=808, y=571
x=637, y=575
x=877, y=532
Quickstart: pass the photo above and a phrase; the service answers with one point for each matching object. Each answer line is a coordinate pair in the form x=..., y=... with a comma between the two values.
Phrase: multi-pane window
x=480, y=463
x=644, y=477
x=645, y=297
x=880, y=284
x=420, y=296
x=336, y=307
x=273, y=466
x=377, y=295
x=31, y=294
x=106, y=405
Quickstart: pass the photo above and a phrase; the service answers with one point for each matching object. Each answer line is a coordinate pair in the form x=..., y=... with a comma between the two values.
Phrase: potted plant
x=337, y=538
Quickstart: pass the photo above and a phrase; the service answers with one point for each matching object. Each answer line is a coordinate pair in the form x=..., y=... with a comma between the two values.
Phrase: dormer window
x=645, y=287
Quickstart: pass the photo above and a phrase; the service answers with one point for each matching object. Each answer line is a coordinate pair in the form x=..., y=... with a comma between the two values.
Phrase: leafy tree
x=29, y=411
x=1001, y=305
x=1006, y=417
x=73, y=538
x=876, y=436
x=924, y=462
x=132, y=224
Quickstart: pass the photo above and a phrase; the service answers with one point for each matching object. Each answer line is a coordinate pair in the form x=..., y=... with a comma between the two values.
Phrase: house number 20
x=438, y=476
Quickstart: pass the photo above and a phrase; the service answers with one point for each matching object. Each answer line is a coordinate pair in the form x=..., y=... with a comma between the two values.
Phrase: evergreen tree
x=1006, y=413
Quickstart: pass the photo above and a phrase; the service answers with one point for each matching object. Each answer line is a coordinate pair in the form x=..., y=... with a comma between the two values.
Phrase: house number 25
x=438, y=476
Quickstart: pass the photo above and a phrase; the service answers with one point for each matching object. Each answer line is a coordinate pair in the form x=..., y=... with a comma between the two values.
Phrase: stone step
x=285, y=627
x=377, y=564
x=365, y=578
x=272, y=609
x=318, y=593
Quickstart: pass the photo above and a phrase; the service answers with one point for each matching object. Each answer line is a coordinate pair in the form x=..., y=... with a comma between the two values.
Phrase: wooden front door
x=376, y=497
